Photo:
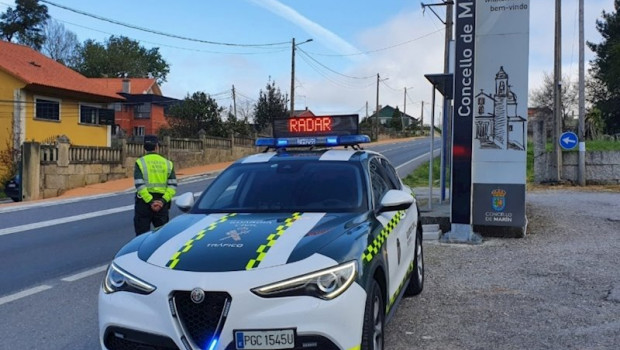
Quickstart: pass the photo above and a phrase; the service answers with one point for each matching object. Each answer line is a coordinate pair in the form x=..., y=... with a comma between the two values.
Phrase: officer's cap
x=150, y=141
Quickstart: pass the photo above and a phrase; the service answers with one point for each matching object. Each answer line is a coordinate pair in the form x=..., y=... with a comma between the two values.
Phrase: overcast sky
x=336, y=72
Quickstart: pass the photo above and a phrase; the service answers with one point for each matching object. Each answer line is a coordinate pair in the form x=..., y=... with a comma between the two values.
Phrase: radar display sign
x=325, y=125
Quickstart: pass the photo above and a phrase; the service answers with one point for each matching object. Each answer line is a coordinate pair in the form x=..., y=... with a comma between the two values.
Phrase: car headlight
x=324, y=284
x=119, y=280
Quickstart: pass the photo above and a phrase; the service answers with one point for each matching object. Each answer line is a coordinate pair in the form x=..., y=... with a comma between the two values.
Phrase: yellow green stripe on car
x=400, y=287
x=271, y=240
x=174, y=260
x=374, y=248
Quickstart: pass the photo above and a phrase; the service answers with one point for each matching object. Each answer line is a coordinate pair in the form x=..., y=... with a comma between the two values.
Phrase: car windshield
x=304, y=186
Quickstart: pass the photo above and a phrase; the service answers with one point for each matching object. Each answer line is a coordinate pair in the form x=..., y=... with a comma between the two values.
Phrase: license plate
x=265, y=339
x=11, y=185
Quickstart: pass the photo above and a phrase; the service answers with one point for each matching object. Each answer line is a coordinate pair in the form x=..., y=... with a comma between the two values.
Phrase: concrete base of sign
x=461, y=233
x=501, y=231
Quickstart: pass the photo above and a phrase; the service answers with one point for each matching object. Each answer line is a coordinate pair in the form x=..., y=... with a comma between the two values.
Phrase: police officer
x=156, y=184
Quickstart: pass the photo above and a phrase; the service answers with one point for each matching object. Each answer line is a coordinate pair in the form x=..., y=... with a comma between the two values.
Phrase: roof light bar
x=329, y=141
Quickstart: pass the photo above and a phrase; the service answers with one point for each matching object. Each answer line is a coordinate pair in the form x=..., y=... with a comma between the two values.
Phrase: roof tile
x=32, y=67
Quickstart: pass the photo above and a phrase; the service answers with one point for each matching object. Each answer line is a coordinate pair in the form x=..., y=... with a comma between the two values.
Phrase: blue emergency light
x=329, y=141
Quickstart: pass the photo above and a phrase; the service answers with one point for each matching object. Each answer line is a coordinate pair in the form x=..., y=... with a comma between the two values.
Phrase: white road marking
x=85, y=274
x=53, y=202
x=416, y=158
x=36, y=225
x=23, y=294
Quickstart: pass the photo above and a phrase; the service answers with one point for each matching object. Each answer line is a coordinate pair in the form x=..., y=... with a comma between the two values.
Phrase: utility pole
x=446, y=122
x=376, y=132
x=293, y=47
x=422, y=118
x=234, y=96
x=557, y=92
x=582, y=100
x=293, y=79
x=402, y=122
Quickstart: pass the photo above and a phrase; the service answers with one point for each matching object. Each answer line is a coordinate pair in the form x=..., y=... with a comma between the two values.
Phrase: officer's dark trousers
x=144, y=216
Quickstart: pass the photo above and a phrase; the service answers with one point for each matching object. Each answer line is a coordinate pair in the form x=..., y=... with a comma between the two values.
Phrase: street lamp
x=293, y=74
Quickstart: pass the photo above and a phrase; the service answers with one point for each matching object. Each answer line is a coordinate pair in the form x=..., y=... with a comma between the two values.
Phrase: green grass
x=419, y=178
x=601, y=145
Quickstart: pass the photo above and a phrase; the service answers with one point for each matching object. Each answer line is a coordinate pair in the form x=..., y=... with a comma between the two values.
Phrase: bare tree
x=60, y=44
x=543, y=96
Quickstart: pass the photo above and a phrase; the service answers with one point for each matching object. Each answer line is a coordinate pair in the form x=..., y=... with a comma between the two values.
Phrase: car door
x=381, y=184
x=406, y=228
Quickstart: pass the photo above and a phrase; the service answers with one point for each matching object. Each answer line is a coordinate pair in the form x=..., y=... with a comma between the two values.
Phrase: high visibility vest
x=155, y=172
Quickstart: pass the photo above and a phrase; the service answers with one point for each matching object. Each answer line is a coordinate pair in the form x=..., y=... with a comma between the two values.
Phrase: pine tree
x=271, y=105
x=606, y=69
x=24, y=23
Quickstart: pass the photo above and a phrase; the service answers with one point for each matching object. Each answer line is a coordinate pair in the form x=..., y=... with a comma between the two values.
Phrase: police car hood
x=235, y=242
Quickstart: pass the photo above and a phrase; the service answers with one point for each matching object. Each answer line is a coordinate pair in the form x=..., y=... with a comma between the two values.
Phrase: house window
x=47, y=109
x=138, y=131
x=89, y=115
x=96, y=116
x=142, y=111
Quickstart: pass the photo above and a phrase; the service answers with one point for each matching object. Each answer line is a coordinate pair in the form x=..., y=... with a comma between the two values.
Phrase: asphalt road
x=52, y=258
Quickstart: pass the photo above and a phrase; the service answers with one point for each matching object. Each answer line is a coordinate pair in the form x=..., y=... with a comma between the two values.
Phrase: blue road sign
x=569, y=140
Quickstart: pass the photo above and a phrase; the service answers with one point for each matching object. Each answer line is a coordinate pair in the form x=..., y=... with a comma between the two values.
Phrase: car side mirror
x=395, y=200
x=185, y=202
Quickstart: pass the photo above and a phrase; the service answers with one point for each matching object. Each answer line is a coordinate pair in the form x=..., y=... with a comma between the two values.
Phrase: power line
x=314, y=66
x=389, y=87
x=272, y=50
x=381, y=49
x=331, y=70
x=152, y=31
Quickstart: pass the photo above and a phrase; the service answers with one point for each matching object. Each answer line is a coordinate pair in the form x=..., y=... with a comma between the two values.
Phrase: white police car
x=294, y=248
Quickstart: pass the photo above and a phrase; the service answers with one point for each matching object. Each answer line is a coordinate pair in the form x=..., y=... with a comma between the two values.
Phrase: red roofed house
x=41, y=99
x=144, y=109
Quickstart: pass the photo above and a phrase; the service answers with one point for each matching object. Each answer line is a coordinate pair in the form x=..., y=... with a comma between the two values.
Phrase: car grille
x=117, y=338
x=201, y=321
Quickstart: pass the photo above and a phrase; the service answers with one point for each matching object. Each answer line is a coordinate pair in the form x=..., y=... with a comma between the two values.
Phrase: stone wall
x=51, y=170
x=602, y=167
x=55, y=180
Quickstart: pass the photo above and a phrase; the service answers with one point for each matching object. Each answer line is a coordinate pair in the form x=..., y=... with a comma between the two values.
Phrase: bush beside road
x=557, y=288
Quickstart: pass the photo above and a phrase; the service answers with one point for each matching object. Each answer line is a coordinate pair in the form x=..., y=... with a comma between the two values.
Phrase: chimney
x=126, y=86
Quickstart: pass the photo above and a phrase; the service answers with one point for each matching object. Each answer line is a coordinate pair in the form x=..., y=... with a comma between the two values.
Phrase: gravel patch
x=557, y=288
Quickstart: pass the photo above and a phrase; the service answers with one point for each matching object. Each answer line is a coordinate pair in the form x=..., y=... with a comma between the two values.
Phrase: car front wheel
x=416, y=283
x=374, y=319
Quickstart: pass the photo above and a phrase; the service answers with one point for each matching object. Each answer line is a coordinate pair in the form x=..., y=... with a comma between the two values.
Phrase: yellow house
x=41, y=99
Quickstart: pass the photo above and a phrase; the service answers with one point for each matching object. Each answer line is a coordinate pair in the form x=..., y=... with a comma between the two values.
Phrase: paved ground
x=558, y=288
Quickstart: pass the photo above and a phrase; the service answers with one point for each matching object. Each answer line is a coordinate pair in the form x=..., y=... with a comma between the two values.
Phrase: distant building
x=303, y=113
x=43, y=99
x=536, y=114
x=144, y=109
x=387, y=112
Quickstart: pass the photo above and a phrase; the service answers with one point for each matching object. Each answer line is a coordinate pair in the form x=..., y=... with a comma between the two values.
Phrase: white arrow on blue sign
x=568, y=140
